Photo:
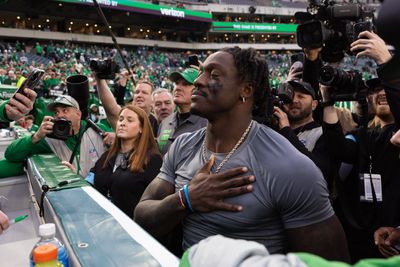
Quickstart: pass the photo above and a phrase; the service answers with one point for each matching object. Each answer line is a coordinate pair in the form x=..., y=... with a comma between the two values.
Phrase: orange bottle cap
x=46, y=252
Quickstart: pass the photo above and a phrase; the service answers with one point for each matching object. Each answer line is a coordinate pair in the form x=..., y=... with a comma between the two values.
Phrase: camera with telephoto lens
x=104, y=68
x=61, y=129
x=347, y=85
x=332, y=26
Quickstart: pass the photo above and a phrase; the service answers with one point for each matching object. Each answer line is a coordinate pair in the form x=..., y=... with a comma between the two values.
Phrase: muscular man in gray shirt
x=240, y=178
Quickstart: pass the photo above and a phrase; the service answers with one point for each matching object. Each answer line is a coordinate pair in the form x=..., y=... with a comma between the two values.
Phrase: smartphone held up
x=30, y=82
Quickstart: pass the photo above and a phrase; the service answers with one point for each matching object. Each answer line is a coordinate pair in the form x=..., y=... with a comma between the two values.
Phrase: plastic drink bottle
x=47, y=234
x=46, y=256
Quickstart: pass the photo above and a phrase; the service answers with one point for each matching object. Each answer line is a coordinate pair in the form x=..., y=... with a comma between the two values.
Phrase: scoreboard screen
x=147, y=8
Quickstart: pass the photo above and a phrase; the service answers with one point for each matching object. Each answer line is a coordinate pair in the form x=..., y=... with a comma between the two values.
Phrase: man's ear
x=314, y=104
x=247, y=90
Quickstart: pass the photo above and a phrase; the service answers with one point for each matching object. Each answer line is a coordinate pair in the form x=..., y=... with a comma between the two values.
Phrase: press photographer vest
x=91, y=149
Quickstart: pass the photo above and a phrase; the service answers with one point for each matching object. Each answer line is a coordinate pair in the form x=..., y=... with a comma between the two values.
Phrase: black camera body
x=347, y=85
x=283, y=95
x=332, y=26
x=104, y=68
x=61, y=129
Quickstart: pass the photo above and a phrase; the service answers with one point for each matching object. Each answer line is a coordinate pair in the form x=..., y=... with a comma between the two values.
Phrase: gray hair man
x=163, y=103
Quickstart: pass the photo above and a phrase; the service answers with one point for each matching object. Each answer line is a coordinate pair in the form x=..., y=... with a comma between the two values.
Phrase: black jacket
x=361, y=219
x=123, y=187
x=319, y=154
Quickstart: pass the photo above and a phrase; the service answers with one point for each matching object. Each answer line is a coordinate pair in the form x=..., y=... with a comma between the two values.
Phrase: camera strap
x=78, y=142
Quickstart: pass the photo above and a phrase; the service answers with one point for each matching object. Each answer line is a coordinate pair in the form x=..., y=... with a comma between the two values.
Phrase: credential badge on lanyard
x=371, y=185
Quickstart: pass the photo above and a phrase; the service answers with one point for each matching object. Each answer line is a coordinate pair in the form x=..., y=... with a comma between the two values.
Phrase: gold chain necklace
x=242, y=138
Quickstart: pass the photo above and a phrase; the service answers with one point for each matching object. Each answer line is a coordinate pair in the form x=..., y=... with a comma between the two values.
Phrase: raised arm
x=14, y=109
x=338, y=145
x=109, y=102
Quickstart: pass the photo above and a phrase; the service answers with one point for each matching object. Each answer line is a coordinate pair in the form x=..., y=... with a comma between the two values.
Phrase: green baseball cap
x=189, y=75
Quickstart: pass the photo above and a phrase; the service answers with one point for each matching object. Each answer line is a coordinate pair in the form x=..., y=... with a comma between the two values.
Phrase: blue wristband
x=186, y=191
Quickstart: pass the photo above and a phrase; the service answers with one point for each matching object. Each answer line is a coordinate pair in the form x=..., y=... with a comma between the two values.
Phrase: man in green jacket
x=89, y=144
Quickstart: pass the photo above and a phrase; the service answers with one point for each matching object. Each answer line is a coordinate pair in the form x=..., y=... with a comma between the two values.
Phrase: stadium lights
x=98, y=31
x=87, y=24
x=237, y=35
x=141, y=30
x=71, y=22
x=146, y=36
x=279, y=36
x=39, y=26
x=148, y=31
x=129, y=28
x=18, y=17
x=159, y=32
x=95, y=25
x=69, y=28
x=262, y=35
x=47, y=20
x=60, y=5
x=110, y=26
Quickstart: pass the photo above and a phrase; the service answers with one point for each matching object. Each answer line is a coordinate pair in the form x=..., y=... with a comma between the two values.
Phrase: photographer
x=376, y=161
x=296, y=123
x=141, y=99
x=80, y=138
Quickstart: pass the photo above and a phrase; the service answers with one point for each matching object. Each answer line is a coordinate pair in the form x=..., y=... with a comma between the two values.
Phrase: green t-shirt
x=39, y=49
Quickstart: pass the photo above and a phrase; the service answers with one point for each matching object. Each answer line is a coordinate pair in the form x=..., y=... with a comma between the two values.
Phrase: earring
x=243, y=99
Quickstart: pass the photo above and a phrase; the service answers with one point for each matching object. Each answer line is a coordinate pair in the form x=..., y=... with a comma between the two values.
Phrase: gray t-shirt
x=289, y=191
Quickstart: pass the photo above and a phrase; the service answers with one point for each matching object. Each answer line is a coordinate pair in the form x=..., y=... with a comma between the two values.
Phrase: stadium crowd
x=186, y=153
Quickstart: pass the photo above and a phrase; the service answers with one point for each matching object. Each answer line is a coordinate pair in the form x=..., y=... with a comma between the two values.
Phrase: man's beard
x=384, y=115
x=303, y=113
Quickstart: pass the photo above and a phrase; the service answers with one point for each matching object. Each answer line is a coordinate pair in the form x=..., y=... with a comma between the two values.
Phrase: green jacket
x=9, y=169
x=3, y=116
x=23, y=148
